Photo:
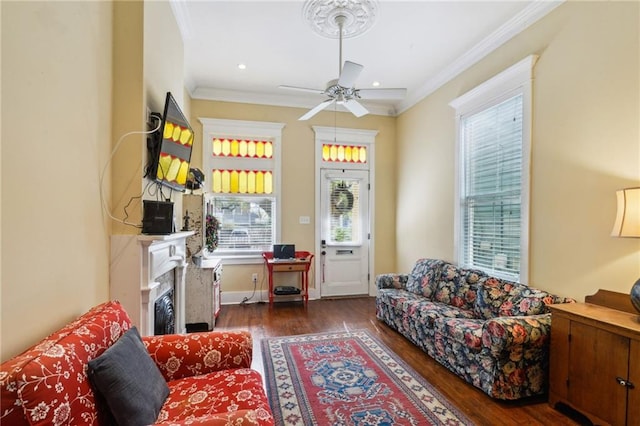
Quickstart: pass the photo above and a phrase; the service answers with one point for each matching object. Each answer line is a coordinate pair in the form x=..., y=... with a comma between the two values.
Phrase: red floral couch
x=208, y=375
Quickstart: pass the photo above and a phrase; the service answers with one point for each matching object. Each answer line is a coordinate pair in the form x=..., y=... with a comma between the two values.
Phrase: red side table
x=301, y=263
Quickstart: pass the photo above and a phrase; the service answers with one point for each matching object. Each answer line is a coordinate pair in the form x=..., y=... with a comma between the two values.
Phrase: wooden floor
x=292, y=318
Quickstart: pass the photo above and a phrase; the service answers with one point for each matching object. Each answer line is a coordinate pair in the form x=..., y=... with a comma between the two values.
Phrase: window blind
x=491, y=190
x=245, y=223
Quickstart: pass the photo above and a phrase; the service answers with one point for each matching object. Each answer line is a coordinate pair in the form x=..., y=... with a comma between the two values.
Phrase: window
x=244, y=223
x=242, y=181
x=332, y=153
x=492, y=207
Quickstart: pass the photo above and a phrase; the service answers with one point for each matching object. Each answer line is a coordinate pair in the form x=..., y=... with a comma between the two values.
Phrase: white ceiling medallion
x=359, y=16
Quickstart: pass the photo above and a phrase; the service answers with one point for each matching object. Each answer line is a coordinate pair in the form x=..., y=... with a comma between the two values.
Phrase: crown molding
x=183, y=20
x=527, y=17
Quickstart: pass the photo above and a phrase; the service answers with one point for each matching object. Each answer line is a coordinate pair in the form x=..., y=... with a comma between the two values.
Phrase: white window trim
x=514, y=80
x=215, y=127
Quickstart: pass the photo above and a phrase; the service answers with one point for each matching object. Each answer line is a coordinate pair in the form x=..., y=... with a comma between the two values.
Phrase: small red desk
x=301, y=263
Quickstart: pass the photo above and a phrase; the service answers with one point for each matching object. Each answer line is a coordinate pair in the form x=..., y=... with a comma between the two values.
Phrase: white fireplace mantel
x=137, y=261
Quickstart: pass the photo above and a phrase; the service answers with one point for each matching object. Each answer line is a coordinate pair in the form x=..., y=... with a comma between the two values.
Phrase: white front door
x=344, y=256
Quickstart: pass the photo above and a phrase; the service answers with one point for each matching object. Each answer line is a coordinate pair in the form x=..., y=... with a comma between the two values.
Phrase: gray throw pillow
x=129, y=381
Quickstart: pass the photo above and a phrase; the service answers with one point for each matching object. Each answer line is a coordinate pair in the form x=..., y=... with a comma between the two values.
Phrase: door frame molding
x=342, y=135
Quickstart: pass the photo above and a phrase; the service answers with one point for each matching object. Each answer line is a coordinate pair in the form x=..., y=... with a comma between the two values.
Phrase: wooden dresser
x=595, y=359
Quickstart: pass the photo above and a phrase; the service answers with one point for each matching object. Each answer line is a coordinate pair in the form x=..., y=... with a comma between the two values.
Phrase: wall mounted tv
x=170, y=149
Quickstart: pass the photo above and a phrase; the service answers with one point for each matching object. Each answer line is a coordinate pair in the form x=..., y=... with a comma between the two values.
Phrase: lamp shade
x=628, y=216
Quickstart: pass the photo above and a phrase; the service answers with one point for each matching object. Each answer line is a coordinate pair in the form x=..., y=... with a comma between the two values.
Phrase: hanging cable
x=104, y=170
x=126, y=214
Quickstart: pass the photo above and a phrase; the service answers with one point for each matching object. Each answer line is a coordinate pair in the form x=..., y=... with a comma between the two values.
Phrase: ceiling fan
x=342, y=90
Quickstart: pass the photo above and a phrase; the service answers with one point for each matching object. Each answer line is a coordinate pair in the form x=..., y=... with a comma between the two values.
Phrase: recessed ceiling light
x=375, y=84
x=242, y=66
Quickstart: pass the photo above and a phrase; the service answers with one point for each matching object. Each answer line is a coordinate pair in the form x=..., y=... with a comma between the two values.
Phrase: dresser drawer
x=289, y=267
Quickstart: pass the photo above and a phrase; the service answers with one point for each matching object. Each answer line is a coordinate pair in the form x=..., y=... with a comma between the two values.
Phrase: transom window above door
x=337, y=153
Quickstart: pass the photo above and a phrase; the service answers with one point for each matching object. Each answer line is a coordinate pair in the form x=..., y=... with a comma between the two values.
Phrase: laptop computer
x=284, y=251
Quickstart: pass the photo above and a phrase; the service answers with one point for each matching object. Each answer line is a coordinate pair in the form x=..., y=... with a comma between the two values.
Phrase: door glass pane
x=345, y=222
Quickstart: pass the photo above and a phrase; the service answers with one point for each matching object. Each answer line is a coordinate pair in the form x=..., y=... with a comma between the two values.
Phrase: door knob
x=625, y=383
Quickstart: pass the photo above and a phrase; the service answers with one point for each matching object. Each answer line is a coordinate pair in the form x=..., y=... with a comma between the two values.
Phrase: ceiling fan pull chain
x=340, y=21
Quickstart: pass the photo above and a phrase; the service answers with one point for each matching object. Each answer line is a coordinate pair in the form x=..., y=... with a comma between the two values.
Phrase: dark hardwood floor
x=292, y=318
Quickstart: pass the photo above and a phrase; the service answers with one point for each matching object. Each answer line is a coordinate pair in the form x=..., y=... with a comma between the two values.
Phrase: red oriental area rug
x=348, y=378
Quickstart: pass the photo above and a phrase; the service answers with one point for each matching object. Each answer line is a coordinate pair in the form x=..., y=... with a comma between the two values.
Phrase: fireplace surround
x=146, y=269
x=164, y=314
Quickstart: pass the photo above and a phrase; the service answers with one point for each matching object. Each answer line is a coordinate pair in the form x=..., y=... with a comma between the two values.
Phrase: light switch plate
x=305, y=220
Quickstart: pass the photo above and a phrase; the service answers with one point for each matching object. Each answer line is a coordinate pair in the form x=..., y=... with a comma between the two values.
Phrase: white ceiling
x=419, y=45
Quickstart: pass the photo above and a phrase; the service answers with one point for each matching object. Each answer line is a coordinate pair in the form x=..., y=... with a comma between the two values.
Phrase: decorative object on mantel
x=628, y=225
x=186, y=218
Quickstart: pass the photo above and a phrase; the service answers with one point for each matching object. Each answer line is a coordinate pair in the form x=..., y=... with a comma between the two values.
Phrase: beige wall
x=148, y=63
x=298, y=176
x=163, y=56
x=128, y=113
x=56, y=114
x=585, y=145
x=63, y=116
x=163, y=72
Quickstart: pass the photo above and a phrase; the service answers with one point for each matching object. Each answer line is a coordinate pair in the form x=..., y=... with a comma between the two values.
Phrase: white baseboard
x=236, y=297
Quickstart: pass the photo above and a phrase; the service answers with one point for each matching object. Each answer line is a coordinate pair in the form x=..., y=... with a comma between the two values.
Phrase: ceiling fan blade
x=355, y=107
x=349, y=74
x=381, y=93
x=302, y=89
x=316, y=109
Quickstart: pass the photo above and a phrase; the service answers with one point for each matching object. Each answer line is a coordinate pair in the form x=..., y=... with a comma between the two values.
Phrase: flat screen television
x=170, y=149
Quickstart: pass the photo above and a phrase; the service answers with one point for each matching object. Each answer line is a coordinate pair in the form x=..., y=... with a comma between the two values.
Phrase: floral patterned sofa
x=491, y=332
x=207, y=374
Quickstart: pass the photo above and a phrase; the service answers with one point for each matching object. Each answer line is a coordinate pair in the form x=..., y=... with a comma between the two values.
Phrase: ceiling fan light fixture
x=340, y=19
x=329, y=17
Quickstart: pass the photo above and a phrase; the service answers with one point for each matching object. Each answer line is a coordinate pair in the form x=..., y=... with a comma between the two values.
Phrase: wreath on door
x=341, y=199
